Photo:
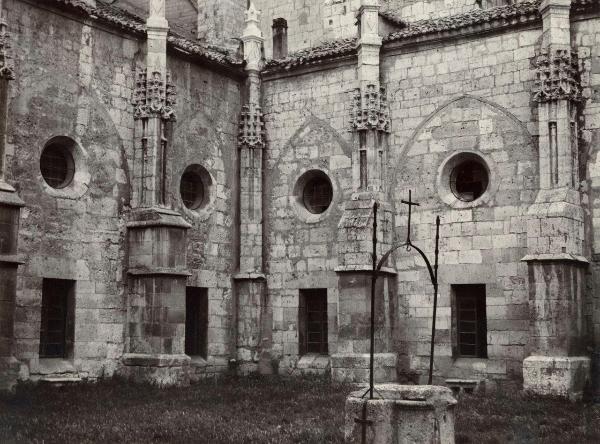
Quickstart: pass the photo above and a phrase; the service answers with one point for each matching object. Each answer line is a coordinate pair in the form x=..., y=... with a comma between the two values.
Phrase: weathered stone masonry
x=192, y=172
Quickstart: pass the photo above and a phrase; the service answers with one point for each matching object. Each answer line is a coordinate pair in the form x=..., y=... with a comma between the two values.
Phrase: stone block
x=354, y=367
x=556, y=376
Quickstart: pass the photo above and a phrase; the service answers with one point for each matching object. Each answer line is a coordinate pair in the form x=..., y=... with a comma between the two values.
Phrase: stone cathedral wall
x=462, y=95
x=306, y=120
x=466, y=96
x=76, y=80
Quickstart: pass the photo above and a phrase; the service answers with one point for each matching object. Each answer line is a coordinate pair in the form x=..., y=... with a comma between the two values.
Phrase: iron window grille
x=57, y=324
x=57, y=166
x=471, y=323
x=313, y=321
x=191, y=189
x=317, y=195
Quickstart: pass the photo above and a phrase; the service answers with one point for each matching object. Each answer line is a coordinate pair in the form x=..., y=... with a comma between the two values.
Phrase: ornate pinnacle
x=370, y=111
x=251, y=127
x=557, y=76
x=6, y=61
x=152, y=96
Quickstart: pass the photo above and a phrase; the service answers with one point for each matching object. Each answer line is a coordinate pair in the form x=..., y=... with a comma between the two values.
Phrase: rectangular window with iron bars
x=469, y=321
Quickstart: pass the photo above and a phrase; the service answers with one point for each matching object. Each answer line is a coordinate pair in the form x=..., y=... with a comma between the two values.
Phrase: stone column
x=10, y=206
x=370, y=127
x=555, y=242
x=254, y=313
x=157, y=235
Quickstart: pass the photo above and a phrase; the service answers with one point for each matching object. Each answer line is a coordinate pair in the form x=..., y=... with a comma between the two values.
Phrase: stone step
x=59, y=381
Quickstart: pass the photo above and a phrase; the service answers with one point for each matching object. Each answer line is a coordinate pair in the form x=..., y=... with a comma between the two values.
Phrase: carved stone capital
x=557, y=76
x=251, y=127
x=370, y=110
x=153, y=96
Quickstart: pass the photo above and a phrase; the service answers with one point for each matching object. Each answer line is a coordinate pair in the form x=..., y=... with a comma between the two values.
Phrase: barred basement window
x=58, y=316
x=191, y=189
x=312, y=321
x=471, y=322
x=469, y=180
x=57, y=165
x=317, y=194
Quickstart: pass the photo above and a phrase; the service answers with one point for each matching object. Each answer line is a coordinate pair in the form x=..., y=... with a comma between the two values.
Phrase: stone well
x=406, y=414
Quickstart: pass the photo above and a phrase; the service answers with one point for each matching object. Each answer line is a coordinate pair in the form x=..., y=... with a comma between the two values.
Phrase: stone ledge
x=562, y=257
x=14, y=259
x=363, y=269
x=254, y=276
x=159, y=360
x=10, y=199
x=156, y=217
x=158, y=271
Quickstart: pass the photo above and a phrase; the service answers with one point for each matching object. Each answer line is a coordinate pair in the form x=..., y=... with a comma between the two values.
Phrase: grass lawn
x=260, y=410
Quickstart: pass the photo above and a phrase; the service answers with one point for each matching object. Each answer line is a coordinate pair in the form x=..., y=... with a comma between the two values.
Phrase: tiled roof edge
x=326, y=51
x=393, y=18
x=515, y=13
x=583, y=5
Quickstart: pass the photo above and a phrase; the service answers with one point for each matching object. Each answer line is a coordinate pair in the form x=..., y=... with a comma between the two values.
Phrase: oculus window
x=469, y=180
x=317, y=194
x=57, y=165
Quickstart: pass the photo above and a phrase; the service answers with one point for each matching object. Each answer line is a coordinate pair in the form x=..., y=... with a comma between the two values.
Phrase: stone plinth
x=159, y=369
x=406, y=414
x=155, y=336
x=556, y=376
x=354, y=367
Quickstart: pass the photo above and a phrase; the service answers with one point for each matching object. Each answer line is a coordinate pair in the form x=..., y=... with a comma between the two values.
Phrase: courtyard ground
x=261, y=410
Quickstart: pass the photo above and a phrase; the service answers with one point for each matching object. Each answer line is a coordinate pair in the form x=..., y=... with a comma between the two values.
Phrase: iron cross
x=410, y=204
x=364, y=422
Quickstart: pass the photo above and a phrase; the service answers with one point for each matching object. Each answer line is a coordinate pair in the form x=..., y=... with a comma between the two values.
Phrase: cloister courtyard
x=262, y=410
